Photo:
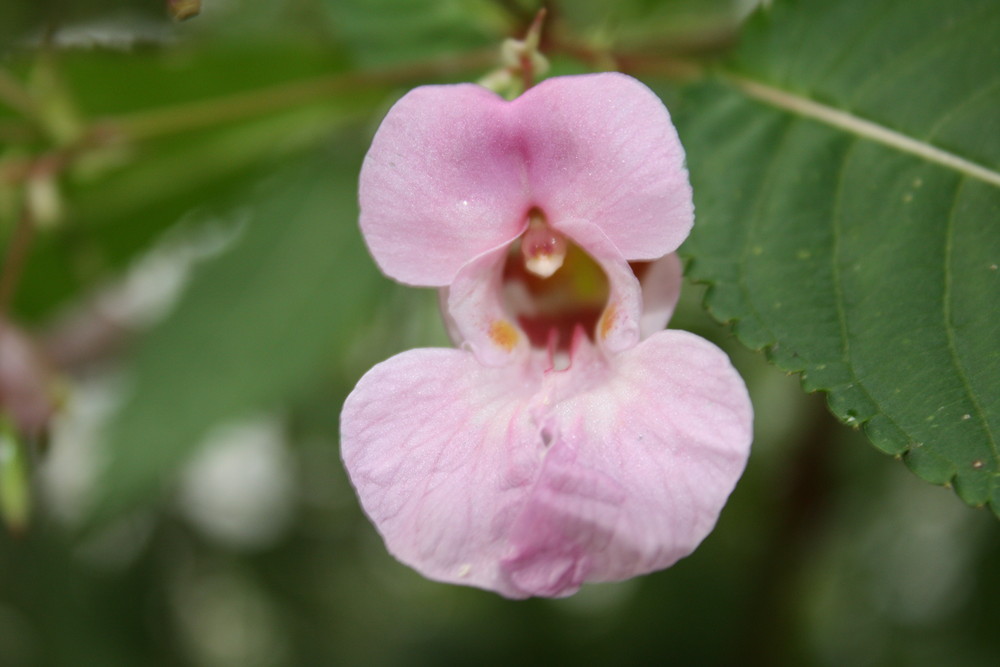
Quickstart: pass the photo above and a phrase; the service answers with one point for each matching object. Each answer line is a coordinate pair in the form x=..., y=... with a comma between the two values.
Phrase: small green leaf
x=257, y=325
x=846, y=169
x=15, y=482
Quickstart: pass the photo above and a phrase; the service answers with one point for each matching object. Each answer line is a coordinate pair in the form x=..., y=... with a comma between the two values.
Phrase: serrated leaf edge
x=848, y=419
x=860, y=128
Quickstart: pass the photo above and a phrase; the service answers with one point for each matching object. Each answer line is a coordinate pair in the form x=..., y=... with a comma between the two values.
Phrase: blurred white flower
x=239, y=488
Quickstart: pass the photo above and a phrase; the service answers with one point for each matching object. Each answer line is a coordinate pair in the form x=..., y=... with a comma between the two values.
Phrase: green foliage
x=15, y=496
x=383, y=31
x=827, y=553
x=864, y=259
x=653, y=24
x=35, y=17
x=257, y=325
x=195, y=132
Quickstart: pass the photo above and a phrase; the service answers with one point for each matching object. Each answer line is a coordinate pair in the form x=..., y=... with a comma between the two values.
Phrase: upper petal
x=443, y=182
x=601, y=147
x=442, y=452
x=453, y=171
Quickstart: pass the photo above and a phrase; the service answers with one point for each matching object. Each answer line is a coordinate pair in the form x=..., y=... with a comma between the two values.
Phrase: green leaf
x=257, y=325
x=384, y=31
x=206, y=123
x=15, y=484
x=638, y=25
x=846, y=169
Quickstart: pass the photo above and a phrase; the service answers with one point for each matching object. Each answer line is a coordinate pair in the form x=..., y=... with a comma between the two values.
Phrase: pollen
x=504, y=334
x=608, y=320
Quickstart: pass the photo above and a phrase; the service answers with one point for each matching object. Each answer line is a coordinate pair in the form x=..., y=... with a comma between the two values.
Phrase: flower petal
x=26, y=382
x=644, y=453
x=443, y=182
x=531, y=483
x=601, y=147
x=453, y=171
x=572, y=512
x=661, y=289
x=442, y=452
x=618, y=327
x=475, y=314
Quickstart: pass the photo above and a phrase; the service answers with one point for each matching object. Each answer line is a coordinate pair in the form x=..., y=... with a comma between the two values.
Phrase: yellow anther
x=504, y=334
x=608, y=319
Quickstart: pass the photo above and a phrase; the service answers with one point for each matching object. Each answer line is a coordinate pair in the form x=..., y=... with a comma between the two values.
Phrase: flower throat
x=552, y=286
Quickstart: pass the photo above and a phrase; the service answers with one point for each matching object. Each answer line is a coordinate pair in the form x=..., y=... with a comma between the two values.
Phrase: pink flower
x=569, y=438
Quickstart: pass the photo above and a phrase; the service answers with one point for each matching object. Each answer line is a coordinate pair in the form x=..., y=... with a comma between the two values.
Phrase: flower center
x=551, y=286
x=543, y=248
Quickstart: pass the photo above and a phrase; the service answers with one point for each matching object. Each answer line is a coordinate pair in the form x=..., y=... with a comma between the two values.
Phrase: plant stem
x=14, y=95
x=144, y=125
x=15, y=258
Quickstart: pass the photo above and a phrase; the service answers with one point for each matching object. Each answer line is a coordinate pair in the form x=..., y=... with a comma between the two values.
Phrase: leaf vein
x=949, y=326
x=939, y=40
x=956, y=109
x=873, y=26
x=863, y=128
x=838, y=289
x=765, y=185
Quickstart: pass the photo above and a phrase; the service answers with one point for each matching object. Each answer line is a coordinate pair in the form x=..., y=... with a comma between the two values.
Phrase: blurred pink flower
x=569, y=438
x=27, y=383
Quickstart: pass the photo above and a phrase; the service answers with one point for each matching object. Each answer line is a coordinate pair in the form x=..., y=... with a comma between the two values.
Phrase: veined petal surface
x=443, y=182
x=602, y=148
x=454, y=171
x=441, y=451
x=643, y=456
x=531, y=482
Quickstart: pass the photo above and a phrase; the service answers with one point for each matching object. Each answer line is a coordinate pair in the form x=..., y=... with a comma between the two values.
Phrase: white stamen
x=544, y=248
x=544, y=266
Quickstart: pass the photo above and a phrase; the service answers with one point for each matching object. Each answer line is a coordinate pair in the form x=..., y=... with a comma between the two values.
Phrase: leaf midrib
x=863, y=128
x=860, y=127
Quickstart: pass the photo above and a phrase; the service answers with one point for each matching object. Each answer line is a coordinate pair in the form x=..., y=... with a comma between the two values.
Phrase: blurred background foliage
x=196, y=284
